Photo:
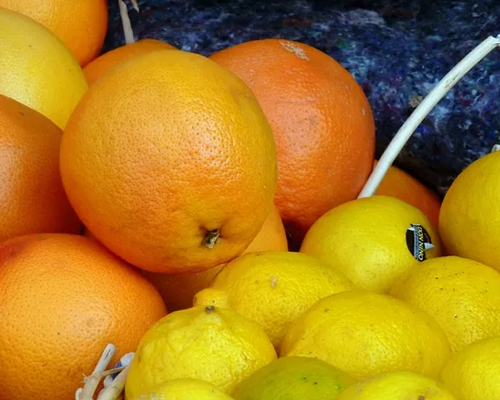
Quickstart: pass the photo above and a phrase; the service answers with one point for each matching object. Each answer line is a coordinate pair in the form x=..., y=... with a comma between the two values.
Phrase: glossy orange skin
x=80, y=25
x=321, y=120
x=63, y=298
x=102, y=64
x=163, y=150
x=32, y=198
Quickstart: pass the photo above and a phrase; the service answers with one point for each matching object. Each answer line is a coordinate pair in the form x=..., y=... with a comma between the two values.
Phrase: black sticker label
x=418, y=241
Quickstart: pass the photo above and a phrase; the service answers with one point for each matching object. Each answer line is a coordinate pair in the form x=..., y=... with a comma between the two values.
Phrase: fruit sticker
x=418, y=241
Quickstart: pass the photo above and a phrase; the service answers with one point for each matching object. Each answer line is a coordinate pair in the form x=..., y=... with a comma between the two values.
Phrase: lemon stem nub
x=211, y=238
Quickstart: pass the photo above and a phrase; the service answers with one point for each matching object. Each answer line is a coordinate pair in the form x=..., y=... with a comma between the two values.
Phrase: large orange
x=80, y=25
x=321, y=120
x=102, y=64
x=32, y=197
x=170, y=162
x=62, y=299
x=178, y=290
x=398, y=183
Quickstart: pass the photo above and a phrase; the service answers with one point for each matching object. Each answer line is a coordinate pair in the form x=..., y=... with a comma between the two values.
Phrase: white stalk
x=91, y=382
x=127, y=26
x=424, y=108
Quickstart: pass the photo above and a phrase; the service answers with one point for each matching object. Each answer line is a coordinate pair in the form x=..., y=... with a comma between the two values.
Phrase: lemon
x=294, y=378
x=184, y=389
x=470, y=216
x=37, y=69
x=372, y=241
x=273, y=288
x=208, y=343
x=462, y=295
x=365, y=333
x=474, y=372
x=400, y=385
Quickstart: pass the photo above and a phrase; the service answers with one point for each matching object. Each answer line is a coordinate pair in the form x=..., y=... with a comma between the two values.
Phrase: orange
x=62, y=299
x=102, y=64
x=170, y=162
x=321, y=120
x=178, y=290
x=398, y=183
x=31, y=192
x=80, y=25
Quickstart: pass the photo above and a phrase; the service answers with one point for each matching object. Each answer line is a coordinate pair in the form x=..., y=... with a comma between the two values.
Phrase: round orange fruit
x=33, y=198
x=102, y=64
x=321, y=121
x=170, y=162
x=63, y=298
x=80, y=25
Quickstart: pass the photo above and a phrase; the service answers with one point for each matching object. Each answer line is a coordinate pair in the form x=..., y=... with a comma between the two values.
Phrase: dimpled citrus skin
x=273, y=288
x=184, y=389
x=399, y=385
x=365, y=333
x=37, y=69
x=472, y=373
x=197, y=156
x=462, y=295
x=31, y=191
x=63, y=298
x=470, y=215
x=208, y=343
x=365, y=239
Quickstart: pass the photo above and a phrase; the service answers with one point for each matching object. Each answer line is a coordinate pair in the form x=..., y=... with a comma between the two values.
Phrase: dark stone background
x=397, y=51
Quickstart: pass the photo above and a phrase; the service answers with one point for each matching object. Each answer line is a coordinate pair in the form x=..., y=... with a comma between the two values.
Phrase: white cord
x=436, y=94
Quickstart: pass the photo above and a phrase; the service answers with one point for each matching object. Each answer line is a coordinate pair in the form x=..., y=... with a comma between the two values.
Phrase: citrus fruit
x=462, y=295
x=208, y=343
x=273, y=288
x=33, y=198
x=366, y=333
x=399, y=385
x=184, y=185
x=294, y=378
x=398, y=183
x=469, y=216
x=184, y=389
x=102, y=64
x=38, y=70
x=321, y=120
x=373, y=240
x=63, y=298
x=472, y=373
x=178, y=290
x=81, y=25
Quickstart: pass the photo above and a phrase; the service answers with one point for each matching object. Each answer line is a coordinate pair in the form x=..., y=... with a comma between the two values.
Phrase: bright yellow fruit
x=273, y=288
x=294, y=378
x=462, y=295
x=208, y=343
x=369, y=241
x=470, y=216
x=474, y=372
x=399, y=385
x=184, y=389
x=37, y=69
x=365, y=333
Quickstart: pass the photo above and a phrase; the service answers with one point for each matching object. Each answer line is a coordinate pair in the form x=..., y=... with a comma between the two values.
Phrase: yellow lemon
x=399, y=385
x=37, y=69
x=273, y=288
x=470, y=216
x=208, y=343
x=294, y=378
x=184, y=389
x=373, y=241
x=365, y=333
x=474, y=372
x=462, y=295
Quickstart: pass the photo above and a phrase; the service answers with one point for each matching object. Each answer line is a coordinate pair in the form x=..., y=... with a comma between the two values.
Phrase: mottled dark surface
x=397, y=51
